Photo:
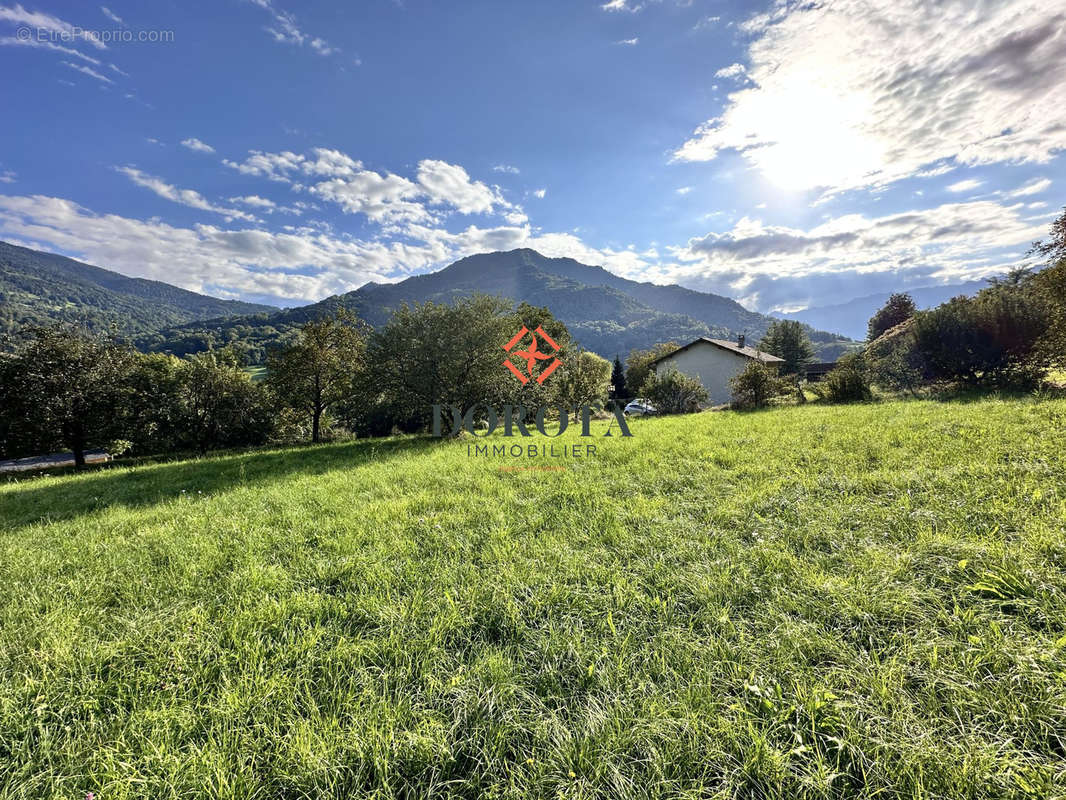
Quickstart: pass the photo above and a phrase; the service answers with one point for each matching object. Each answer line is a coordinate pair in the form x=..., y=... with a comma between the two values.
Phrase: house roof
x=733, y=347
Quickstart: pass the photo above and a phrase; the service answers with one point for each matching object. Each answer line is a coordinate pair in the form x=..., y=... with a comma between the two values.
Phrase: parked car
x=640, y=408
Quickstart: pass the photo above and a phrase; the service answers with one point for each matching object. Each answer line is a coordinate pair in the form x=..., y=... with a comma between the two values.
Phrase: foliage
x=62, y=389
x=319, y=370
x=221, y=406
x=583, y=380
x=898, y=309
x=153, y=415
x=638, y=365
x=756, y=385
x=990, y=339
x=674, y=392
x=618, y=379
x=447, y=354
x=788, y=339
x=1053, y=249
x=1051, y=283
x=845, y=383
x=837, y=602
x=893, y=363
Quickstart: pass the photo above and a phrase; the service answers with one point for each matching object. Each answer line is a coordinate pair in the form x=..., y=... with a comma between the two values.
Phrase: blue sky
x=784, y=154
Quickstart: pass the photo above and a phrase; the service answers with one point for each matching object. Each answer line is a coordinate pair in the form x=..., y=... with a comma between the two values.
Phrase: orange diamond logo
x=531, y=355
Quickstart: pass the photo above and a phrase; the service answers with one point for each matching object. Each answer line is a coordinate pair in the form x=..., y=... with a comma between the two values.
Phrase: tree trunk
x=316, y=417
x=77, y=446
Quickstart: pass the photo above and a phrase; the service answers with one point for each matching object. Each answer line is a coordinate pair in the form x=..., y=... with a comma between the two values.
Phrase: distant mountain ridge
x=852, y=316
x=604, y=312
x=39, y=288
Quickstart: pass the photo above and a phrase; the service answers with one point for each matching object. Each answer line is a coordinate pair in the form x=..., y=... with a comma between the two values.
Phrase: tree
x=755, y=385
x=846, y=382
x=63, y=388
x=638, y=365
x=585, y=380
x=152, y=412
x=992, y=339
x=1053, y=249
x=221, y=407
x=318, y=370
x=788, y=339
x=893, y=362
x=431, y=353
x=674, y=392
x=899, y=308
x=1051, y=282
x=618, y=379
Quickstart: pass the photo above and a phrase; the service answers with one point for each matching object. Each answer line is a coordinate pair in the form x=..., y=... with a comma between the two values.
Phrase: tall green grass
x=864, y=601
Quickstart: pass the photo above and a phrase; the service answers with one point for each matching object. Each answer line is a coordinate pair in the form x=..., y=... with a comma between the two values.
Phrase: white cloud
x=92, y=73
x=621, y=5
x=450, y=184
x=768, y=266
x=274, y=166
x=286, y=31
x=302, y=264
x=1035, y=186
x=965, y=186
x=706, y=22
x=17, y=15
x=861, y=93
x=111, y=15
x=254, y=200
x=629, y=42
x=14, y=41
x=185, y=197
x=7, y=176
x=385, y=198
x=506, y=168
x=382, y=198
x=197, y=145
x=683, y=190
x=732, y=71
x=540, y=193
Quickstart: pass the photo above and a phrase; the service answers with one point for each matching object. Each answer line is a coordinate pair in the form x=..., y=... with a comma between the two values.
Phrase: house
x=714, y=362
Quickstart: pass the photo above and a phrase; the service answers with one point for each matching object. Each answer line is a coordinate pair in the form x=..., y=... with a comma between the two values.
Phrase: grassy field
x=864, y=601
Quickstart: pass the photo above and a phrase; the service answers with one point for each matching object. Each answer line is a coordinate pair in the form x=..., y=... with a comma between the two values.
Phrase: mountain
x=38, y=288
x=605, y=313
x=851, y=317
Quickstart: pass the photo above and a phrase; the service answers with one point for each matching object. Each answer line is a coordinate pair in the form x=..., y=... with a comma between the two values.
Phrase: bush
x=845, y=383
x=892, y=362
x=988, y=340
x=674, y=392
x=756, y=385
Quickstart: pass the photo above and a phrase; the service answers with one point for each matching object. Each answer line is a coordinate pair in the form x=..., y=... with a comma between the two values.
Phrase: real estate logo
x=531, y=355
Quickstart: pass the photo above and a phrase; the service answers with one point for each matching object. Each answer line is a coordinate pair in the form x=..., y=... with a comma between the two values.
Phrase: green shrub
x=674, y=392
x=845, y=383
x=756, y=385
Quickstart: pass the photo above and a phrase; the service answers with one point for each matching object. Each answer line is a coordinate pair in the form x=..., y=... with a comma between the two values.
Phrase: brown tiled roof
x=733, y=347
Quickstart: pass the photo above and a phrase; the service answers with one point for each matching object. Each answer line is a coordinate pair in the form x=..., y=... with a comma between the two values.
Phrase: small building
x=817, y=370
x=714, y=362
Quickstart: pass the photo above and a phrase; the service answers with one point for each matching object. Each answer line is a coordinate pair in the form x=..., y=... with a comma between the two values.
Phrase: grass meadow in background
x=862, y=601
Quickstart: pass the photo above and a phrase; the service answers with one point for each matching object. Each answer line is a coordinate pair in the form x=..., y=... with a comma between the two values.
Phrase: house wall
x=712, y=365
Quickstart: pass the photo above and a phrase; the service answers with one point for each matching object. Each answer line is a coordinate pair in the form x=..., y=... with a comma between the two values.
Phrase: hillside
x=837, y=602
x=38, y=288
x=605, y=312
x=851, y=317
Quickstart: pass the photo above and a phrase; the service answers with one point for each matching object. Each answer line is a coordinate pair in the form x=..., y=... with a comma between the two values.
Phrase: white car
x=640, y=408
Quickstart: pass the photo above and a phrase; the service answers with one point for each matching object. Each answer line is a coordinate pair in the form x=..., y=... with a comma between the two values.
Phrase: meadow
x=814, y=601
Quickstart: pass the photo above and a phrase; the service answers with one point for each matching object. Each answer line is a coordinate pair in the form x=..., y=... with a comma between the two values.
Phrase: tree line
x=66, y=388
